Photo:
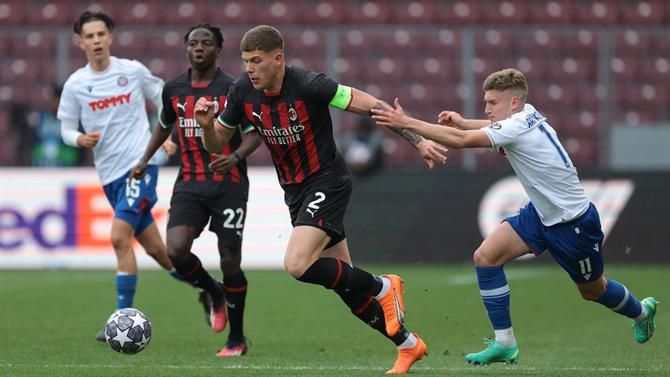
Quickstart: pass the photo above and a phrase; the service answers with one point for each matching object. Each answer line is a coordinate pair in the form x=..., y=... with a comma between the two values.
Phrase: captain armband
x=342, y=97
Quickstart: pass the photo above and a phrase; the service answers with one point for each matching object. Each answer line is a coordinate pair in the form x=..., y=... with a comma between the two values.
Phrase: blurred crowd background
x=598, y=69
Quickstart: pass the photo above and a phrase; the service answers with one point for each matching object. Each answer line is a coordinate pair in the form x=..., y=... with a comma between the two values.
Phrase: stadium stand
x=606, y=61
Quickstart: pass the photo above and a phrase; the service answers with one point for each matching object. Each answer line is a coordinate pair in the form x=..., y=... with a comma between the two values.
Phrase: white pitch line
x=321, y=368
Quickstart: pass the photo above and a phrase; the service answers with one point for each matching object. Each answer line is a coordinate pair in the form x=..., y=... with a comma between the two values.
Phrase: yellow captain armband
x=342, y=97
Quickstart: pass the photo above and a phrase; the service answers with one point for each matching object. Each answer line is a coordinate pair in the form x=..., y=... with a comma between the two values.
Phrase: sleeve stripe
x=224, y=124
x=248, y=128
x=162, y=122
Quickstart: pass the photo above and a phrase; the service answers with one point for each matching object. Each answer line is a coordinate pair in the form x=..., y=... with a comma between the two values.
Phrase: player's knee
x=177, y=253
x=295, y=267
x=591, y=293
x=482, y=259
x=120, y=243
x=155, y=250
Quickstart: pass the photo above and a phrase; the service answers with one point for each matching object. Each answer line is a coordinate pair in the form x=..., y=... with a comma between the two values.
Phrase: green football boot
x=494, y=353
x=644, y=329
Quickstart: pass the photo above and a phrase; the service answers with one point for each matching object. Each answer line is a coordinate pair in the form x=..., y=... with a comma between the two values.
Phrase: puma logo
x=309, y=210
x=257, y=115
x=181, y=106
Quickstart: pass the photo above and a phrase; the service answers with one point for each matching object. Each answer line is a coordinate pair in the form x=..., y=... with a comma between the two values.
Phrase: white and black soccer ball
x=128, y=331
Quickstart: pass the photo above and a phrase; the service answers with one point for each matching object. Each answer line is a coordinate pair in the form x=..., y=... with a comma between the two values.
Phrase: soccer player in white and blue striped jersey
x=559, y=217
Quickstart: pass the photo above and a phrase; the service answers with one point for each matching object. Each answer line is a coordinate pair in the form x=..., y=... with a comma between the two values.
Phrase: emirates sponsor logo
x=284, y=136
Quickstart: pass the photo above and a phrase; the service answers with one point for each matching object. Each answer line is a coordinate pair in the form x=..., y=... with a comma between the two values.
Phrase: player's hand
x=432, y=152
x=170, y=147
x=204, y=112
x=138, y=171
x=450, y=118
x=389, y=116
x=223, y=163
x=88, y=140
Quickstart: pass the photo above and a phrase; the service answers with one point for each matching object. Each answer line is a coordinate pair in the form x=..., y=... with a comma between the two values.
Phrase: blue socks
x=495, y=294
x=618, y=298
x=125, y=289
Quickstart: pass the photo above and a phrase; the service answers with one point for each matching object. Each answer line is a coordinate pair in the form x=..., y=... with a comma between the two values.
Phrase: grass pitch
x=48, y=321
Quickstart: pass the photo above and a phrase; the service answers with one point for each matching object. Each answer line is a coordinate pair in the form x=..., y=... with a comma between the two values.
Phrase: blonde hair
x=507, y=79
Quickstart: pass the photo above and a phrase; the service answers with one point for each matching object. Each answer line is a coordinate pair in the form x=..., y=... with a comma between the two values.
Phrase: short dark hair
x=213, y=29
x=264, y=38
x=89, y=16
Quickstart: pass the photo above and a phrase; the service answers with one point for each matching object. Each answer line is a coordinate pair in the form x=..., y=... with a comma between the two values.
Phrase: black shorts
x=227, y=211
x=321, y=201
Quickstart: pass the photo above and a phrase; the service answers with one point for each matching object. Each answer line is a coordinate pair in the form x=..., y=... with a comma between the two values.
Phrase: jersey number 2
x=313, y=206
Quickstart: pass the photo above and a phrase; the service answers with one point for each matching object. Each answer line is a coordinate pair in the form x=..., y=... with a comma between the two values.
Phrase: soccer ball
x=128, y=331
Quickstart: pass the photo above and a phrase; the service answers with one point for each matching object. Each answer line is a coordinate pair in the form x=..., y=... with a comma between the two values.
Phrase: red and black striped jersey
x=179, y=98
x=295, y=124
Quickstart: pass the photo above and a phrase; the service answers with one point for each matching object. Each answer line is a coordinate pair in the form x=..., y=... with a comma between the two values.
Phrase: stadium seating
x=367, y=12
x=551, y=12
x=52, y=13
x=505, y=12
x=598, y=12
x=140, y=13
x=459, y=12
x=128, y=43
x=643, y=12
x=12, y=12
x=321, y=12
x=34, y=44
x=423, y=51
x=185, y=14
x=415, y=12
x=278, y=13
x=539, y=43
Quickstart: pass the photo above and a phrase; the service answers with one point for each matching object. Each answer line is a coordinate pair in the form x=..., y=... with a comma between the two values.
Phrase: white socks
x=505, y=337
x=408, y=343
x=643, y=313
x=386, y=285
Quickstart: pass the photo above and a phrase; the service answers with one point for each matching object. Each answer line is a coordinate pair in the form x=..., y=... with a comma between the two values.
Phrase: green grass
x=48, y=321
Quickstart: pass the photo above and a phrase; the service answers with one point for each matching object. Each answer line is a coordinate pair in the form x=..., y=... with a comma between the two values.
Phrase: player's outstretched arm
x=451, y=137
x=214, y=135
x=454, y=119
x=362, y=103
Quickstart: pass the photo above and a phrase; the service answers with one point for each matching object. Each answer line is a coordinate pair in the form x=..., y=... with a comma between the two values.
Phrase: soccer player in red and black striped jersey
x=288, y=106
x=208, y=185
